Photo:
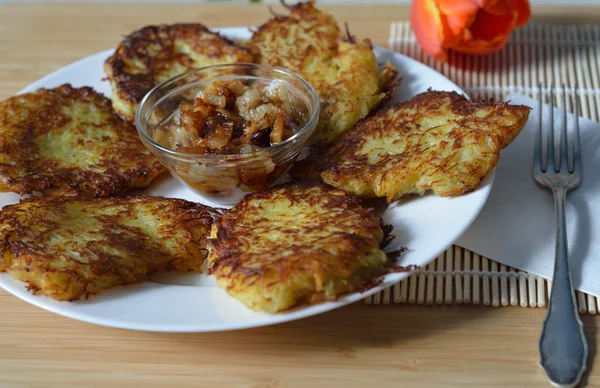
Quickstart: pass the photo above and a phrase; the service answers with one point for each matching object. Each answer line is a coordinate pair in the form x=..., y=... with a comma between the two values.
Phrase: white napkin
x=517, y=224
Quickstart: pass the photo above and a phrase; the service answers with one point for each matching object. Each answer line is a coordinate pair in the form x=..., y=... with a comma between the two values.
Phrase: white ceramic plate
x=193, y=303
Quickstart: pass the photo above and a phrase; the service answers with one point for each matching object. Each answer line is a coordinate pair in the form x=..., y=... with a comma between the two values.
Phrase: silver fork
x=563, y=347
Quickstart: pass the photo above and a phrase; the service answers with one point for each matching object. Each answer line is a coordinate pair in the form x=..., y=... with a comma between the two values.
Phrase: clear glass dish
x=225, y=179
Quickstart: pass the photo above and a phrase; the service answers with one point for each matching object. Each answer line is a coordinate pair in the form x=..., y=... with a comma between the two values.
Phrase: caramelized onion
x=229, y=117
x=276, y=135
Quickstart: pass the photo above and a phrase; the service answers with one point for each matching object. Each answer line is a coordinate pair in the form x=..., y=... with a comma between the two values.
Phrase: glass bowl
x=225, y=179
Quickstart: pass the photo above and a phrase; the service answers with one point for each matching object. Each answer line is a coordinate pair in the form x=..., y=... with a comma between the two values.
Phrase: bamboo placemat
x=537, y=53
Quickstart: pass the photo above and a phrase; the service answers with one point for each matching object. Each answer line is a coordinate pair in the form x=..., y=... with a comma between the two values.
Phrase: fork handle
x=563, y=347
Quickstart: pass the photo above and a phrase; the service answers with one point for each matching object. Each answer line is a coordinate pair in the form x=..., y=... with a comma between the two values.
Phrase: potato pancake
x=155, y=54
x=437, y=141
x=69, y=140
x=295, y=244
x=70, y=247
x=344, y=72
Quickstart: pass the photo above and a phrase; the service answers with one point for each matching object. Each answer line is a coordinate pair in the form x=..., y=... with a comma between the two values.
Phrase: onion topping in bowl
x=229, y=117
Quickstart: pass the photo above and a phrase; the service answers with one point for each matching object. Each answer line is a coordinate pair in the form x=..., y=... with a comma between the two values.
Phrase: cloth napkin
x=517, y=225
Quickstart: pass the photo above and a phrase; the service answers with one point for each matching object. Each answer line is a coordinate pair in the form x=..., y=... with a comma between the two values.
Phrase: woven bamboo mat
x=537, y=53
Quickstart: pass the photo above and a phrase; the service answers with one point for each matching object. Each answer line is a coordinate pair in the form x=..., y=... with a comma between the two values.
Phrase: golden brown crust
x=69, y=140
x=71, y=247
x=437, y=141
x=297, y=41
x=389, y=82
x=343, y=70
x=155, y=54
x=294, y=244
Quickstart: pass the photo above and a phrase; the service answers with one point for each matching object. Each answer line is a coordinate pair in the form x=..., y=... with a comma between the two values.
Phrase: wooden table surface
x=356, y=346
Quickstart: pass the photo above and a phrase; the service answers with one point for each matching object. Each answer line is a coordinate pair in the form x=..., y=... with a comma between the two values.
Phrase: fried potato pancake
x=344, y=72
x=70, y=247
x=437, y=141
x=295, y=244
x=69, y=140
x=155, y=54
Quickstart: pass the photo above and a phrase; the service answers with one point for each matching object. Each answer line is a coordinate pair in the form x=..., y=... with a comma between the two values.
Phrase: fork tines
x=569, y=157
